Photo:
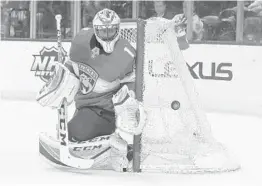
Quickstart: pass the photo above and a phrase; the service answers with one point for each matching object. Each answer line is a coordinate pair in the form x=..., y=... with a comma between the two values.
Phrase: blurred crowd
x=15, y=19
x=212, y=20
x=220, y=24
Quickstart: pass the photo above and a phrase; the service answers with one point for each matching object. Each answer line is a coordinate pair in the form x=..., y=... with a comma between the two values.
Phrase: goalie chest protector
x=93, y=63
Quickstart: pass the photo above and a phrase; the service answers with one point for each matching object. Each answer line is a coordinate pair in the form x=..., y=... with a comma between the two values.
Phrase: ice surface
x=20, y=162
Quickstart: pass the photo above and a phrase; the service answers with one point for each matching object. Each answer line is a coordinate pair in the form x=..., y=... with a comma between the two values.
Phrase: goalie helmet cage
x=177, y=137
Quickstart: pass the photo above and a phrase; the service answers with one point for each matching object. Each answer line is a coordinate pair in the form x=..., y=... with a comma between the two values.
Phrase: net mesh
x=128, y=31
x=177, y=136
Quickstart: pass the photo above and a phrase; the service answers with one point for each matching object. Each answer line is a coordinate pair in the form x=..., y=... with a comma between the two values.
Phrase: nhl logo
x=43, y=64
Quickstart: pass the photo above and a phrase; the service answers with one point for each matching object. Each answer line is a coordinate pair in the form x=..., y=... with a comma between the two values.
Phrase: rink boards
x=228, y=77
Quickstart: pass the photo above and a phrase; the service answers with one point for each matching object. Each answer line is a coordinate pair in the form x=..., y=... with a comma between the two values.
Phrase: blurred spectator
x=219, y=20
x=4, y=20
x=253, y=29
x=169, y=9
x=15, y=19
x=161, y=10
x=122, y=8
x=198, y=25
x=256, y=7
x=166, y=9
x=89, y=10
x=46, y=22
x=253, y=23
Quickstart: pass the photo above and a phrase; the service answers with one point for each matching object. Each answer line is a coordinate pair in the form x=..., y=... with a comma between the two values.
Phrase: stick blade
x=51, y=150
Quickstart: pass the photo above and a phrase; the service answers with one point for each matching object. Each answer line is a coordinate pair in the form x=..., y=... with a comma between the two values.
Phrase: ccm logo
x=62, y=125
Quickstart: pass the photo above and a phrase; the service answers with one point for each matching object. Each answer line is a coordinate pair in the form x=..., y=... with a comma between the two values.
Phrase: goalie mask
x=106, y=24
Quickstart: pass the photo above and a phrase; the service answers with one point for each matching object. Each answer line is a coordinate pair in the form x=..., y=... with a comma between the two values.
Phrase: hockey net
x=177, y=136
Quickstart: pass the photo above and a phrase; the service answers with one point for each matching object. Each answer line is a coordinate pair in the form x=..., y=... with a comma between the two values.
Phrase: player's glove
x=63, y=84
x=180, y=24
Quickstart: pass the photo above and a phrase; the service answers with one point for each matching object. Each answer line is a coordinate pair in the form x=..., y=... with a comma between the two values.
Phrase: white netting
x=177, y=136
x=128, y=31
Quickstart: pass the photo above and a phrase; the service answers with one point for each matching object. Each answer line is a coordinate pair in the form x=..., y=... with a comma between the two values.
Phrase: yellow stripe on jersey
x=74, y=65
x=129, y=52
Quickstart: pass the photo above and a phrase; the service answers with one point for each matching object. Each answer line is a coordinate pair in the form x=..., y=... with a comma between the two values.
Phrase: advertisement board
x=227, y=77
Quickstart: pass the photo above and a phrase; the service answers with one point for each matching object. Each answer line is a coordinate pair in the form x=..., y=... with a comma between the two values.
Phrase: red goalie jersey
x=99, y=72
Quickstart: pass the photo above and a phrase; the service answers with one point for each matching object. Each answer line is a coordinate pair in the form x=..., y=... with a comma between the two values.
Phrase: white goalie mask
x=106, y=24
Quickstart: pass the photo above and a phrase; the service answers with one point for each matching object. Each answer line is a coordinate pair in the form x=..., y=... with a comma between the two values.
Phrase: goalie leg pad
x=130, y=113
x=97, y=149
x=121, y=154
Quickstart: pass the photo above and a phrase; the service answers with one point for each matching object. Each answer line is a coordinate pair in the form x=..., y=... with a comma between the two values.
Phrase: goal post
x=139, y=88
x=177, y=136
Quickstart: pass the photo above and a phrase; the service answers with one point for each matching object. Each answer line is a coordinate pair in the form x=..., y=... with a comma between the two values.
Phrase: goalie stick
x=65, y=156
